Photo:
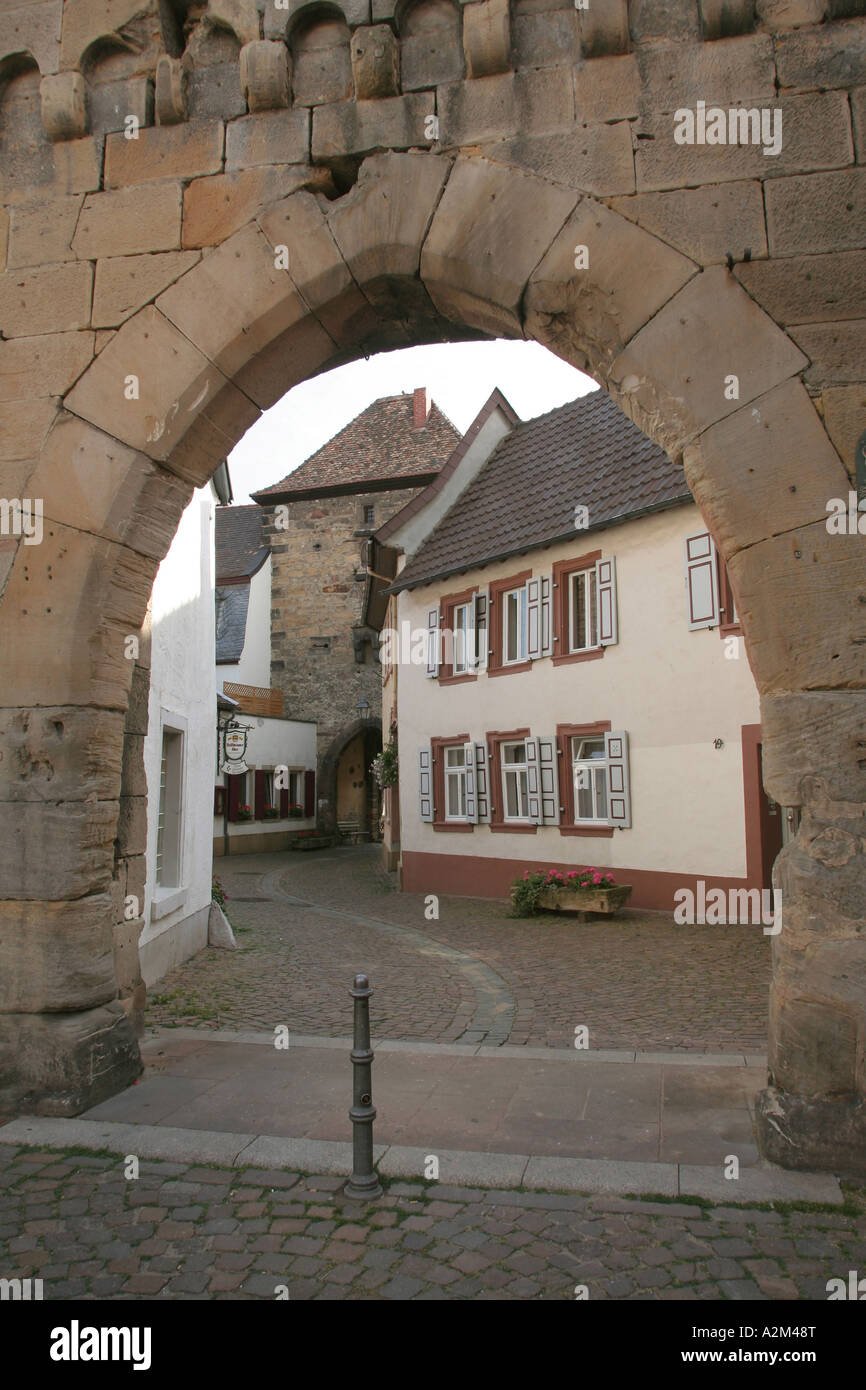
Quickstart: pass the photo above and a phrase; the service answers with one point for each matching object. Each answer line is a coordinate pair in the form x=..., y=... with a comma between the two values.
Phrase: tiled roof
x=240, y=547
x=587, y=452
x=231, y=602
x=379, y=444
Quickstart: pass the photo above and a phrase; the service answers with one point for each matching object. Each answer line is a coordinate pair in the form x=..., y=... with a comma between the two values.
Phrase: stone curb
x=764, y=1183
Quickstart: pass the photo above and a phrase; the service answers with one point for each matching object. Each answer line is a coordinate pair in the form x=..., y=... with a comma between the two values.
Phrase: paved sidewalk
x=306, y=923
x=188, y=1231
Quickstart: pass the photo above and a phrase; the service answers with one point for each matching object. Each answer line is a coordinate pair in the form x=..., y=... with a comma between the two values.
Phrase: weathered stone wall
x=158, y=292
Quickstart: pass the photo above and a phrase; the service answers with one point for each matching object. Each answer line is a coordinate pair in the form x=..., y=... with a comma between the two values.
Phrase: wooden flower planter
x=314, y=842
x=585, y=902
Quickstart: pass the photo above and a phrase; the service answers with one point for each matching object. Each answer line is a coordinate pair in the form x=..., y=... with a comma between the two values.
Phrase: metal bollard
x=364, y=1183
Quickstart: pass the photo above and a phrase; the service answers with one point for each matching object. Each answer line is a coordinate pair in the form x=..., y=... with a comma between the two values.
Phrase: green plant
x=525, y=893
x=245, y=813
x=384, y=766
x=271, y=813
x=218, y=893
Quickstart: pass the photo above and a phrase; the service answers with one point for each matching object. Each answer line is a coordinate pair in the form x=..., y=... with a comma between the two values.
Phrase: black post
x=364, y=1183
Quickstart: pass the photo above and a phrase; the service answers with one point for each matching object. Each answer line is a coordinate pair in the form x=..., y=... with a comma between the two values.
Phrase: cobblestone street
x=473, y=975
x=201, y=1232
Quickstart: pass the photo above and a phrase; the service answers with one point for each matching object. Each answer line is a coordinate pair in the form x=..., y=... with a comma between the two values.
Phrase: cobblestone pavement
x=475, y=974
x=182, y=1231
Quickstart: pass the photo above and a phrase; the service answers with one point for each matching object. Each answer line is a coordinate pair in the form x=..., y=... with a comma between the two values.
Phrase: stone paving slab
x=186, y=1230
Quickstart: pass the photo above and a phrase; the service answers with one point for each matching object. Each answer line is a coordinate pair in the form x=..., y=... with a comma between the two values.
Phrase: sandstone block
x=84, y=22
x=664, y=19
x=375, y=62
x=809, y=289
x=163, y=152
x=276, y=21
x=136, y=875
x=241, y=16
x=707, y=224
x=844, y=413
x=816, y=213
x=132, y=825
x=234, y=302
x=4, y=238
x=674, y=388
x=173, y=379
x=45, y=299
x=137, y=716
x=128, y=221
x=603, y=28
x=60, y=753
x=64, y=111
x=812, y=745
x=124, y=283
x=431, y=57
x=220, y=423
x=42, y=232
x=832, y=56
x=722, y=19
x=75, y=848
x=35, y=29
x=546, y=40
x=50, y=171
x=486, y=37
x=171, y=100
x=271, y=137
x=810, y=573
x=836, y=350
x=322, y=65
x=597, y=159
x=100, y=486
x=790, y=14
x=216, y=206
x=42, y=366
x=858, y=118
x=378, y=236
x=295, y=355
x=60, y=1064
x=827, y=1135
x=315, y=264
x=493, y=108
x=351, y=127
x=219, y=930
x=127, y=967
x=730, y=71
x=747, y=472
x=606, y=89
x=215, y=92
x=23, y=427
x=816, y=135
x=513, y=218
x=264, y=75
x=111, y=103
x=597, y=309
x=56, y=956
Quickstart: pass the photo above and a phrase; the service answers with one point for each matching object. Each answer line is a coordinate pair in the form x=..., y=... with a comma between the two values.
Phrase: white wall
x=273, y=743
x=182, y=692
x=671, y=689
x=254, y=667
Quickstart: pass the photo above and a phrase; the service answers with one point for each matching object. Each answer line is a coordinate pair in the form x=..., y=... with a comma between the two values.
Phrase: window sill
x=166, y=901
x=509, y=670
x=459, y=679
x=594, y=655
x=501, y=826
x=461, y=827
x=604, y=831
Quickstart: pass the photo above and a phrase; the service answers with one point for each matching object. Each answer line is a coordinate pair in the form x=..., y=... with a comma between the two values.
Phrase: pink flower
x=596, y=878
x=572, y=873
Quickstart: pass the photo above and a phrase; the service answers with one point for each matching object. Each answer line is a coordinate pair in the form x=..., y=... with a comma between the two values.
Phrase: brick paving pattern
x=636, y=980
x=182, y=1231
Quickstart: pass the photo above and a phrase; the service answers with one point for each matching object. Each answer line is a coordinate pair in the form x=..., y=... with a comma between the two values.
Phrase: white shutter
x=549, y=777
x=482, y=630
x=619, y=796
x=546, y=616
x=533, y=619
x=433, y=642
x=425, y=784
x=533, y=780
x=605, y=597
x=482, y=782
x=702, y=581
x=471, y=795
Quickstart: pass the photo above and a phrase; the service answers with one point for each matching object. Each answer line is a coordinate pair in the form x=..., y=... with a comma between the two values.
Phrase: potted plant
x=575, y=890
x=271, y=813
x=312, y=839
x=296, y=810
x=384, y=766
x=245, y=813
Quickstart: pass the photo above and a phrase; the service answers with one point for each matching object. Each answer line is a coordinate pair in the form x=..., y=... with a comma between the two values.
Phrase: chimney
x=420, y=408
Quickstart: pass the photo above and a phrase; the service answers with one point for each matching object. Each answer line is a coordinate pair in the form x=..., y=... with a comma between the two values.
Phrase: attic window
x=369, y=515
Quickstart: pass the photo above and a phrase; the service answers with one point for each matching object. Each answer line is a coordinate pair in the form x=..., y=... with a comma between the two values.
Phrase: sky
x=458, y=376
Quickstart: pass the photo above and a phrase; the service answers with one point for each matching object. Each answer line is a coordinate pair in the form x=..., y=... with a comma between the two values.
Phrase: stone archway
x=131, y=382
x=329, y=799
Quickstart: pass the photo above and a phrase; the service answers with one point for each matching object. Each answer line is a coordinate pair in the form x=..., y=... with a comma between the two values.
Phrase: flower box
x=584, y=900
x=313, y=842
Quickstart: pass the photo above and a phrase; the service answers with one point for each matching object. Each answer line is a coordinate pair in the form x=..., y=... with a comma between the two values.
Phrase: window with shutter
x=702, y=581
x=309, y=792
x=471, y=786
x=616, y=752
x=481, y=634
x=457, y=646
x=546, y=617
x=605, y=589
x=433, y=642
x=506, y=625
x=482, y=782
x=533, y=618
x=575, y=616
x=548, y=777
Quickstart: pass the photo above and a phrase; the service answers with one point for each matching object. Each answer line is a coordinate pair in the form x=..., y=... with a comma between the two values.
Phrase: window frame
x=522, y=771
x=589, y=575
x=494, y=740
x=593, y=765
x=456, y=772
x=563, y=570
x=568, y=823
x=440, y=821
x=496, y=623
x=448, y=605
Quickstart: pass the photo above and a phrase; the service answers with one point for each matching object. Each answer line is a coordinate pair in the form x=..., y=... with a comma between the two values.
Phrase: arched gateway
x=167, y=281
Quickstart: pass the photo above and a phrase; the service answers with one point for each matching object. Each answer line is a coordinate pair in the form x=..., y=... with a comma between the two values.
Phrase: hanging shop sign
x=234, y=750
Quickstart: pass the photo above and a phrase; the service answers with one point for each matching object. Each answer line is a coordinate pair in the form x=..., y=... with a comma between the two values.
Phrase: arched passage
x=424, y=248
x=346, y=788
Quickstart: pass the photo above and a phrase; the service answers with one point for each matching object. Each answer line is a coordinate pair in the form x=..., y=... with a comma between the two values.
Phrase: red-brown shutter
x=309, y=792
x=284, y=802
x=260, y=791
x=234, y=796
